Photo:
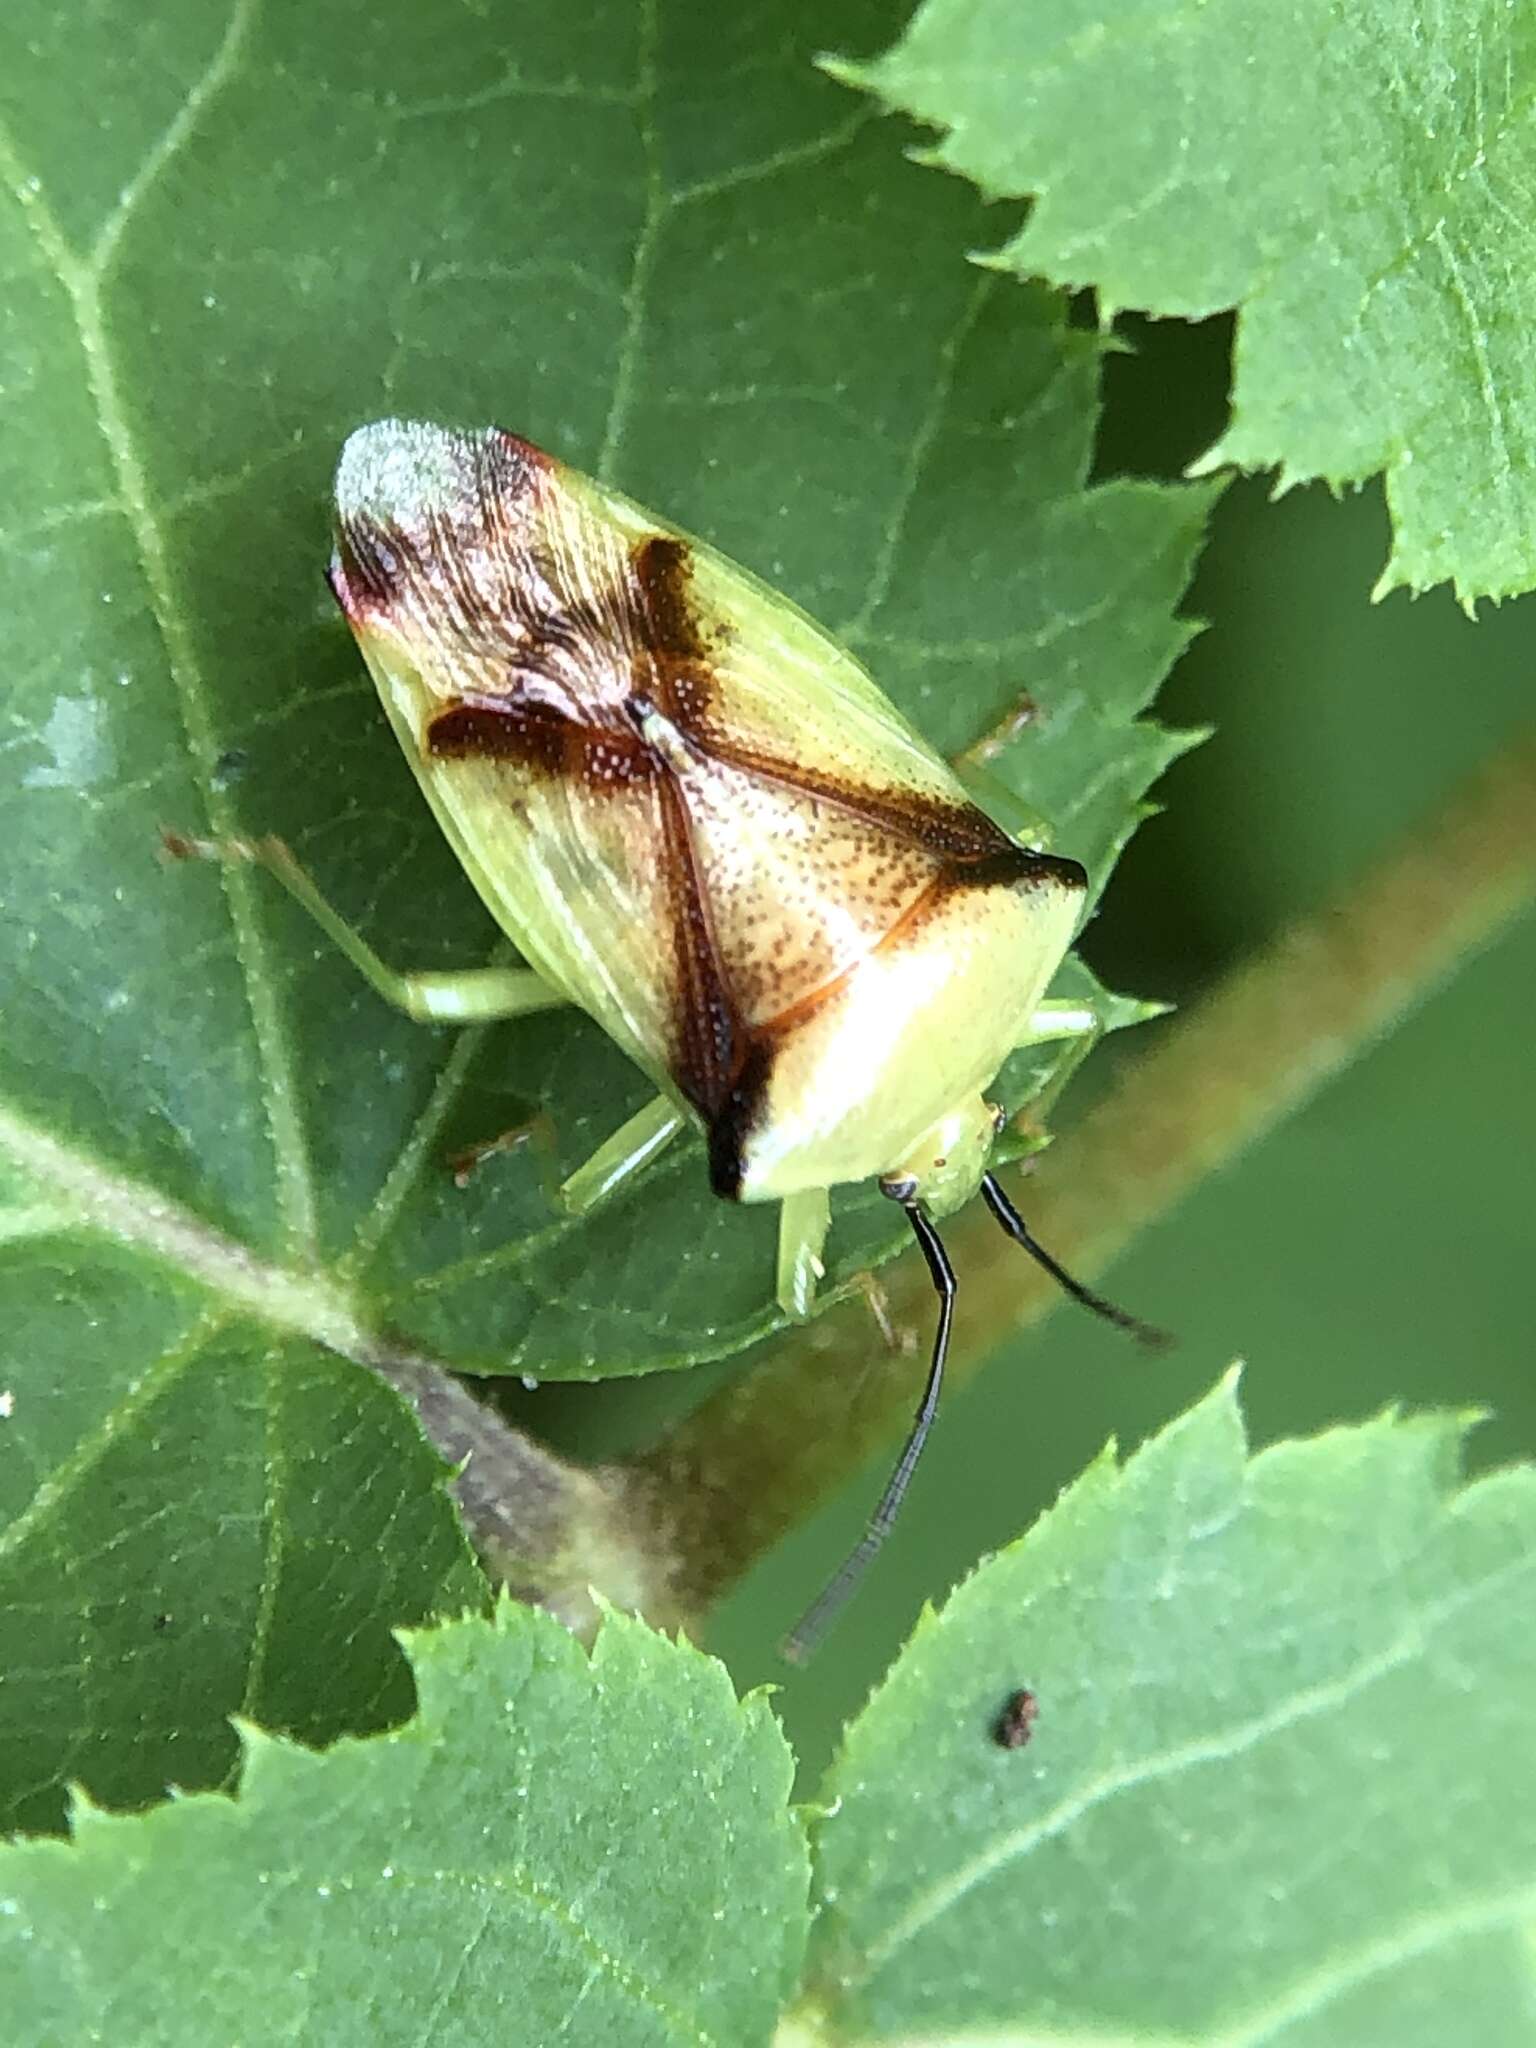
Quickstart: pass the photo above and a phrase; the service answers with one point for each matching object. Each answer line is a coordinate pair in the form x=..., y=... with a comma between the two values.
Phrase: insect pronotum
x=700, y=821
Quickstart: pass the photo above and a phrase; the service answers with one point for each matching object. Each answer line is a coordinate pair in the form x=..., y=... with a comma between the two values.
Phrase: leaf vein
x=274, y=1472
x=1417, y=1936
x=792, y=157
x=1301, y=1705
x=1477, y=336
x=79, y=284
x=656, y=209
x=220, y=70
x=431, y=2020
x=406, y=1168
x=919, y=450
x=147, y=1387
x=515, y=1881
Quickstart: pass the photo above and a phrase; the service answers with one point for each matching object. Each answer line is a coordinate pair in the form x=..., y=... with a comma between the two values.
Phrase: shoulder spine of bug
x=700, y=821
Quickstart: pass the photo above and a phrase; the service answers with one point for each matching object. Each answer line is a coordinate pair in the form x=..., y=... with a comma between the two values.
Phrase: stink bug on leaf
x=699, y=821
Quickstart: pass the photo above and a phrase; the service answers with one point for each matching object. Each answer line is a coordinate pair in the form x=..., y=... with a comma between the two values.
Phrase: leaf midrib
x=81, y=280
x=130, y=1212
x=1219, y=1746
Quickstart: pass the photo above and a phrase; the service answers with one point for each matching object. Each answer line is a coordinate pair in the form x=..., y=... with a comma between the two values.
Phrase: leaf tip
x=995, y=260
x=850, y=71
x=1390, y=579
x=1145, y=1009
x=81, y=1811
x=1211, y=463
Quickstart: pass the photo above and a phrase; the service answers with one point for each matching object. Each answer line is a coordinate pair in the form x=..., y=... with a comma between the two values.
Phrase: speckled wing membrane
x=690, y=809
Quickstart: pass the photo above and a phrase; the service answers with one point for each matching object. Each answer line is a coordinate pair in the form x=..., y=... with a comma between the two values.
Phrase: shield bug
x=700, y=821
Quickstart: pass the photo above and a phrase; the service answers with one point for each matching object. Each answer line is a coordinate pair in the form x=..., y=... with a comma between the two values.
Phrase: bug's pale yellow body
x=920, y=1018
x=700, y=821
x=697, y=817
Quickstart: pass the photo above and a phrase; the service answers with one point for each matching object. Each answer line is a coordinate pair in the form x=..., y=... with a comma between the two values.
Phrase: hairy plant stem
x=759, y=1455
x=546, y=1530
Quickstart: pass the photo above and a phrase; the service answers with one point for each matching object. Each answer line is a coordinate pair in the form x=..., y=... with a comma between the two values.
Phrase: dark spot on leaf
x=1016, y=1723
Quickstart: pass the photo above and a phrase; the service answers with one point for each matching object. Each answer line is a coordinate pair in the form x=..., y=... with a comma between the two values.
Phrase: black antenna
x=813, y=1624
x=1018, y=1230
x=808, y=1631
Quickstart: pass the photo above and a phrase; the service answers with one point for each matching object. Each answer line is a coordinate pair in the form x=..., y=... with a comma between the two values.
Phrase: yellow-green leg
x=1002, y=804
x=630, y=1147
x=1061, y=1020
x=1050, y=1021
x=469, y=995
x=804, y=1221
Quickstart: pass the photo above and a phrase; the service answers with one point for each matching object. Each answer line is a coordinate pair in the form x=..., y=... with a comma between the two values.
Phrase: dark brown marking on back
x=957, y=830
x=1005, y=869
x=998, y=871
x=541, y=736
x=976, y=852
x=370, y=564
x=513, y=731
x=671, y=663
x=735, y=1120
x=664, y=619
x=722, y=1066
x=732, y=1125
x=649, y=616
x=715, y=1059
x=711, y=1044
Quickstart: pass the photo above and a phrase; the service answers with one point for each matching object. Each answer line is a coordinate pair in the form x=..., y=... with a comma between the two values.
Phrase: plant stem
x=758, y=1456
x=545, y=1529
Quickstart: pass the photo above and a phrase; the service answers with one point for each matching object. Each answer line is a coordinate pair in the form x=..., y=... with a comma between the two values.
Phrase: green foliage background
x=209, y=1517
x=1371, y=220
x=1214, y=1849
x=694, y=264
x=1375, y=1249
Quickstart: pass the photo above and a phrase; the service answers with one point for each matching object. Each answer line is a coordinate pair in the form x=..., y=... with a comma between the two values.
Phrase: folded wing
x=687, y=806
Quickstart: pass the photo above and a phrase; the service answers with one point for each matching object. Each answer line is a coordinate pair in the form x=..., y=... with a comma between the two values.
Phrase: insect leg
x=1019, y=1231
x=804, y=1220
x=990, y=793
x=1061, y=1020
x=878, y=1302
x=809, y=1630
x=536, y=1130
x=631, y=1145
x=471, y=995
x=1078, y=1023
x=1022, y=712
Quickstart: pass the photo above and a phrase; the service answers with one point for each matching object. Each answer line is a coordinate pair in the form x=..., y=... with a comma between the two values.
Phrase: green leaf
x=619, y=237
x=1355, y=180
x=200, y=1518
x=228, y=239
x=1279, y=1786
x=551, y=1836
